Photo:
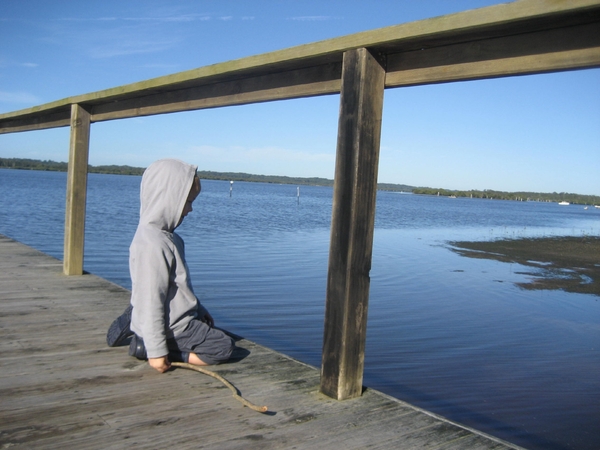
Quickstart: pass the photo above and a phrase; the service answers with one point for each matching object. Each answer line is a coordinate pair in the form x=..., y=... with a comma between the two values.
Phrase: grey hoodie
x=162, y=296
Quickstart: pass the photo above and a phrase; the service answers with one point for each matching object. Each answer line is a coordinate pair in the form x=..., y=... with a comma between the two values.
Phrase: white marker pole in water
x=298, y=190
x=230, y=187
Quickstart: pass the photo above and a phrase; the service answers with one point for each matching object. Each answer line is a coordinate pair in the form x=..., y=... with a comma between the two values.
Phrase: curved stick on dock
x=231, y=387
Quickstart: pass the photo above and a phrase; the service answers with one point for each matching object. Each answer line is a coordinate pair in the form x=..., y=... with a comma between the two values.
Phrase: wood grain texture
x=517, y=38
x=352, y=225
x=62, y=387
x=305, y=82
x=565, y=48
x=76, y=191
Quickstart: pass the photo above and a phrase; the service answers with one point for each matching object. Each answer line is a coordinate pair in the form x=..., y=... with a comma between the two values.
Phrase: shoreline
x=563, y=197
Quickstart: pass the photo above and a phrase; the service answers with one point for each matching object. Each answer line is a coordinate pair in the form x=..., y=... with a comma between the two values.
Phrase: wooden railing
x=524, y=37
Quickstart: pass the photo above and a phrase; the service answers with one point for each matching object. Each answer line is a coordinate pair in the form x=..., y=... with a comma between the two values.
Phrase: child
x=166, y=319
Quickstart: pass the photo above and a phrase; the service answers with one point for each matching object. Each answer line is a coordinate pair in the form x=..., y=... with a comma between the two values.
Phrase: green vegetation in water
x=567, y=263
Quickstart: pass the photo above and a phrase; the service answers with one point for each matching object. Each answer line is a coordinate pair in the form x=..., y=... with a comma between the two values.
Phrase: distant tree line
x=54, y=166
x=577, y=199
x=33, y=164
x=395, y=187
x=314, y=181
x=240, y=176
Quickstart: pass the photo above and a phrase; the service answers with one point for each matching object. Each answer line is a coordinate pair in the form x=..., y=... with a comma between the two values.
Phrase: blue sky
x=534, y=133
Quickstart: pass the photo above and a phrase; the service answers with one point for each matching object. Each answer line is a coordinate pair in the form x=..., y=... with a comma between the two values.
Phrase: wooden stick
x=231, y=387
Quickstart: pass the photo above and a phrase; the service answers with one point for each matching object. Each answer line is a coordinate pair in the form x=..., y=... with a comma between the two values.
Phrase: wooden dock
x=62, y=387
x=524, y=37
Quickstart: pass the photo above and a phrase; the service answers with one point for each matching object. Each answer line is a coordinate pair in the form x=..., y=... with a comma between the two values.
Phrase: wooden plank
x=192, y=89
x=76, y=191
x=306, y=82
x=353, y=219
x=568, y=48
x=526, y=65
x=62, y=387
x=41, y=121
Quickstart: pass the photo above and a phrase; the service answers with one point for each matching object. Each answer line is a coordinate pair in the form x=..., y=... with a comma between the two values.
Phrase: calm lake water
x=450, y=334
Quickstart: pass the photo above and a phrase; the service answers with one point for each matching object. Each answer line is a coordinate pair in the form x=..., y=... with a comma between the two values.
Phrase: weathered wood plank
x=353, y=221
x=61, y=387
x=36, y=121
x=566, y=48
x=306, y=82
x=303, y=71
x=76, y=191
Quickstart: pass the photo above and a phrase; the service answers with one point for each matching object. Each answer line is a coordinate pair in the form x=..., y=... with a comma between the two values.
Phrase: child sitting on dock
x=166, y=320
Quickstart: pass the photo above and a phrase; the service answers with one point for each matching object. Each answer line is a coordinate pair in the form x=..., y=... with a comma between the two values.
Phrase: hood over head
x=165, y=187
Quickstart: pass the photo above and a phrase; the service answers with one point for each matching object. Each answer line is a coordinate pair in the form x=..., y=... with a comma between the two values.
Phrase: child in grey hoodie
x=167, y=320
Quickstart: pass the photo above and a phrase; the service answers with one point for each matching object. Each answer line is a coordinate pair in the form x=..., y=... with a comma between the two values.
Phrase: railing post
x=353, y=219
x=76, y=191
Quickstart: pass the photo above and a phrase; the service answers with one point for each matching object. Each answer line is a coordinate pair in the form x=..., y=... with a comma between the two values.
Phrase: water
x=447, y=333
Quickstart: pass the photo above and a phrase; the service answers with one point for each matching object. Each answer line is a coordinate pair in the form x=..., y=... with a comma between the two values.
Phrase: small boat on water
x=564, y=203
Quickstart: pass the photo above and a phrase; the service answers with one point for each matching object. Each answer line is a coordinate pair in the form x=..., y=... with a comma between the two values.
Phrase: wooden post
x=76, y=191
x=353, y=220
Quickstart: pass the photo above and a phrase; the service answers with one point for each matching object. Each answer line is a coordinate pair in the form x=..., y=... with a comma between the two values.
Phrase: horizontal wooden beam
x=568, y=48
x=306, y=82
x=37, y=121
x=518, y=38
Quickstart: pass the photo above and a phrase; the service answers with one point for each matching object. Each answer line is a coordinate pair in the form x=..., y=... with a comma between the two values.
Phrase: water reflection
x=567, y=263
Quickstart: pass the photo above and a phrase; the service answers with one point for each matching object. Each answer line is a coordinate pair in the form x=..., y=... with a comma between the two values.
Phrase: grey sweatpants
x=211, y=345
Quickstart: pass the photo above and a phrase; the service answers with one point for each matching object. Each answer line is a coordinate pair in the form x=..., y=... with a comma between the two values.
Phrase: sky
x=538, y=133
